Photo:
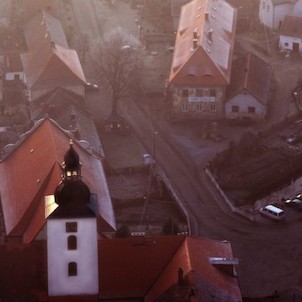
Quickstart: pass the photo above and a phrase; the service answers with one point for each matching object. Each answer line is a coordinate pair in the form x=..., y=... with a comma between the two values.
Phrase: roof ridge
x=57, y=52
x=26, y=218
x=167, y=264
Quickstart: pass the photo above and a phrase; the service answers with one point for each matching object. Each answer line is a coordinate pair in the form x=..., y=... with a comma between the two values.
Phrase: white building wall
x=286, y=42
x=273, y=16
x=244, y=101
x=266, y=13
x=10, y=76
x=86, y=256
x=279, y=14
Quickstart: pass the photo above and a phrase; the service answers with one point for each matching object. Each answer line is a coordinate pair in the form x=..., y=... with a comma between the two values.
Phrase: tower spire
x=71, y=164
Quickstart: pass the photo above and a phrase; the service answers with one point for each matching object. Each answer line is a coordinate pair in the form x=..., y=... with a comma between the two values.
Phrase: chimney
x=206, y=15
x=52, y=44
x=195, y=33
x=194, y=43
x=180, y=279
x=195, y=40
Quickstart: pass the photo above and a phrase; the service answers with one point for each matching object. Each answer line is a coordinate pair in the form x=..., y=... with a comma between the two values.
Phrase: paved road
x=270, y=254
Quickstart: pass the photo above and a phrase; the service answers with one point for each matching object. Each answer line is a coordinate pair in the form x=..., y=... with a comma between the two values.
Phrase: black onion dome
x=72, y=159
x=73, y=197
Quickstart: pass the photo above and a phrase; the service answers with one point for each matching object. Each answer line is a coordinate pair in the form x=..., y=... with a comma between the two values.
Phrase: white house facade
x=273, y=12
x=245, y=105
x=249, y=92
x=291, y=34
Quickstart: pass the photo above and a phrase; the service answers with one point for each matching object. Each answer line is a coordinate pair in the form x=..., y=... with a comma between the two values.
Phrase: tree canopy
x=117, y=64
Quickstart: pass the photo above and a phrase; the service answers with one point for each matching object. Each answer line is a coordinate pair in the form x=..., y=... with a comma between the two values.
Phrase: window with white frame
x=185, y=107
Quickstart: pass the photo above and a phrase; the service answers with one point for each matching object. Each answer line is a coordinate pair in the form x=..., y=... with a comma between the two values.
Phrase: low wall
x=226, y=199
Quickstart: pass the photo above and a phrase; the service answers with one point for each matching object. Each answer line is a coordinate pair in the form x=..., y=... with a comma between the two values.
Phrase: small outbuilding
x=248, y=94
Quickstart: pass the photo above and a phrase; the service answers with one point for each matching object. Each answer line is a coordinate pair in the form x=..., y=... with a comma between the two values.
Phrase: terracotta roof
x=149, y=266
x=129, y=267
x=52, y=66
x=252, y=74
x=43, y=29
x=137, y=268
x=13, y=62
x=208, y=60
x=54, y=103
x=291, y=26
x=68, y=110
x=176, y=6
x=193, y=256
x=31, y=172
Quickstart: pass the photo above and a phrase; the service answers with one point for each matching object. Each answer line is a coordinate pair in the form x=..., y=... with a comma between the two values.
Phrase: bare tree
x=82, y=45
x=117, y=64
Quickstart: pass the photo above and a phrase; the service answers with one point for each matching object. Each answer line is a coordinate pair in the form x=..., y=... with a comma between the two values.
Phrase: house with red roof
x=172, y=268
x=202, y=60
x=30, y=170
x=291, y=34
x=49, y=62
x=249, y=93
x=80, y=264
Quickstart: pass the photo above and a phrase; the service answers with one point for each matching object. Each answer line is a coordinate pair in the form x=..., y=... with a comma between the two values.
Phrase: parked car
x=295, y=203
x=91, y=87
x=272, y=212
x=294, y=139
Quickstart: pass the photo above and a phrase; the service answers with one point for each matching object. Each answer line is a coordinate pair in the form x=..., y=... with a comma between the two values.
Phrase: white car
x=91, y=86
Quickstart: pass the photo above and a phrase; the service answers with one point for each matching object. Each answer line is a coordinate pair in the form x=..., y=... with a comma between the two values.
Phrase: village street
x=269, y=253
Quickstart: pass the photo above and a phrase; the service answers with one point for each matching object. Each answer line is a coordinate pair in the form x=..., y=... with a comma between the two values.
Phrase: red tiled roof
x=43, y=29
x=31, y=171
x=148, y=266
x=209, y=61
x=52, y=66
x=193, y=255
x=13, y=62
x=129, y=267
x=291, y=26
x=253, y=74
x=132, y=268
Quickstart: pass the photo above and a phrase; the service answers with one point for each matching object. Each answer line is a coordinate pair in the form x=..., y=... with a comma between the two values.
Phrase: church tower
x=72, y=244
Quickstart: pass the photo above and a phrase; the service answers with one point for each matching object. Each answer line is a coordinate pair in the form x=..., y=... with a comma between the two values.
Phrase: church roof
x=137, y=269
x=33, y=170
x=51, y=66
x=149, y=267
x=43, y=28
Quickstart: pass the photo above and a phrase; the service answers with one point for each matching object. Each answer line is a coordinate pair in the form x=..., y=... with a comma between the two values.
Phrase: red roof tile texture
x=147, y=267
x=52, y=66
x=252, y=74
x=32, y=171
x=204, y=44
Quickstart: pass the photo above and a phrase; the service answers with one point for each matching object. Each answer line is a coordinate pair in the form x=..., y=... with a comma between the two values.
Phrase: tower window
x=72, y=269
x=71, y=227
x=72, y=242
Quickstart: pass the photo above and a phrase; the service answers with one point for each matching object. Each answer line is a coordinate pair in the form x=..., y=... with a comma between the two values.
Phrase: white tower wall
x=85, y=282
